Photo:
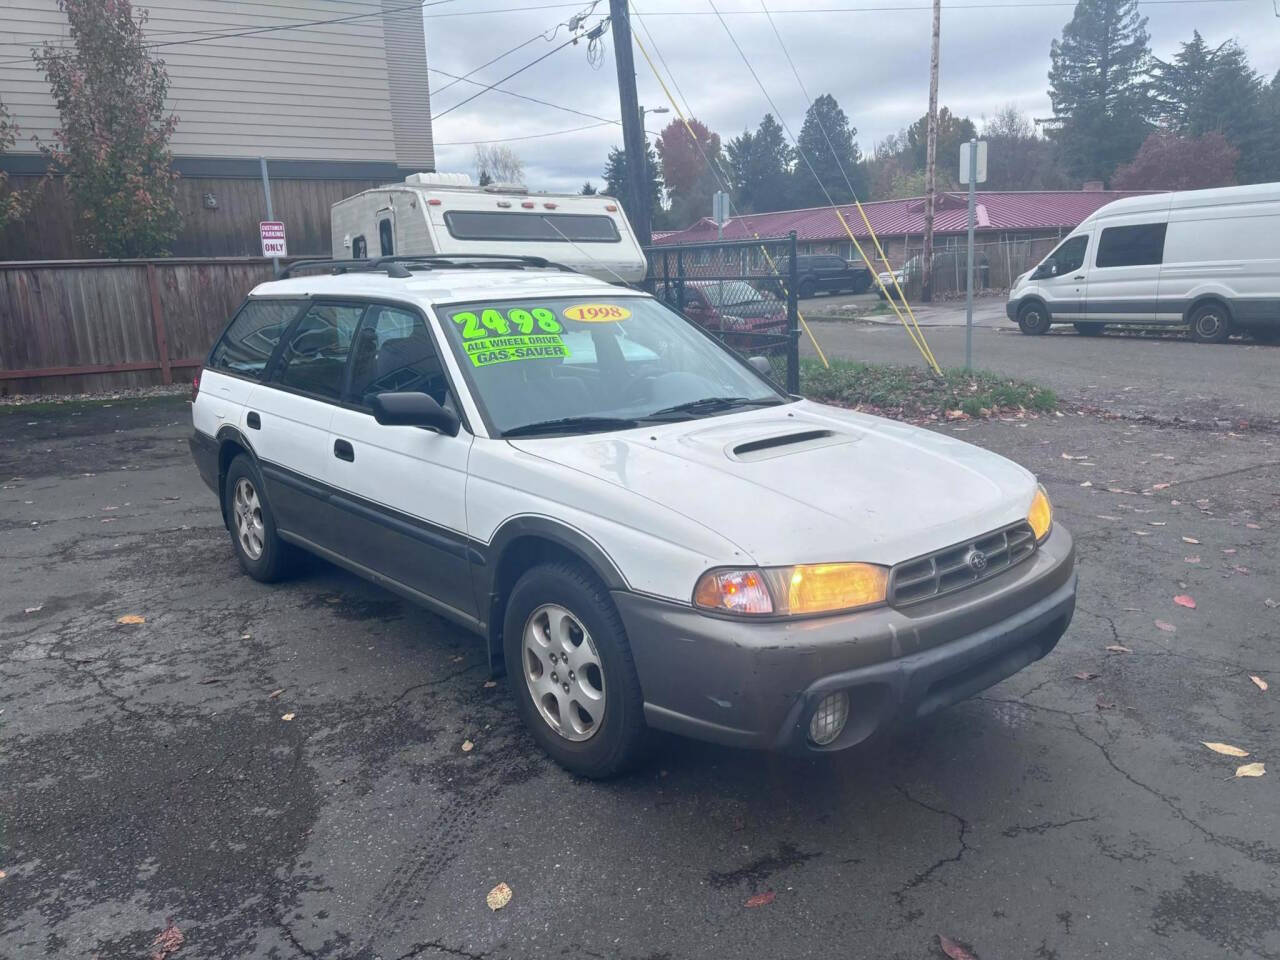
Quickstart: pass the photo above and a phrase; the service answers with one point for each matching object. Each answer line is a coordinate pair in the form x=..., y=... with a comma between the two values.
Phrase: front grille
x=951, y=569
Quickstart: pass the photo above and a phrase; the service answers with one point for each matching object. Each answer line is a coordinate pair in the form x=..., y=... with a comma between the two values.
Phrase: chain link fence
x=995, y=266
x=742, y=292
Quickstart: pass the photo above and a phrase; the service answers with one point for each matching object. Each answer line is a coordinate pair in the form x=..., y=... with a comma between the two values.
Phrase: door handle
x=1078, y=276
x=343, y=450
x=254, y=421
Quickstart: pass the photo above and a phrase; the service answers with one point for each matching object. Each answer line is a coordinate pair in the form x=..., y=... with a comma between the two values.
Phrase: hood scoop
x=782, y=444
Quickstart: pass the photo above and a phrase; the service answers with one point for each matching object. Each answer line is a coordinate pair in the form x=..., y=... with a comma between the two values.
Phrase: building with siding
x=335, y=107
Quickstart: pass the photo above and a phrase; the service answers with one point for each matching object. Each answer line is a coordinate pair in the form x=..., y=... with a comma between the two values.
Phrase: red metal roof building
x=1013, y=215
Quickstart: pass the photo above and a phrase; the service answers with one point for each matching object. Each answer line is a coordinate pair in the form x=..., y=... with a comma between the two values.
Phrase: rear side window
x=385, y=241
x=249, y=340
x=394, y=353
x=1131, y=246
x=359, y=248
x=315, y=355
x=542, y=227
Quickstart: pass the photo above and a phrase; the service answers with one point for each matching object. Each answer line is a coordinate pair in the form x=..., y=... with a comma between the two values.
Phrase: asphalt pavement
x=279, y=770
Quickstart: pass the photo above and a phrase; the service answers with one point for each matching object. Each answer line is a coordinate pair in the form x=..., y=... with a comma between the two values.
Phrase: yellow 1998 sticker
x=596, y=312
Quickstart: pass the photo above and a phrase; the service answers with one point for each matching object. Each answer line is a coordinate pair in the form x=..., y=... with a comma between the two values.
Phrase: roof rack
x=400, y=266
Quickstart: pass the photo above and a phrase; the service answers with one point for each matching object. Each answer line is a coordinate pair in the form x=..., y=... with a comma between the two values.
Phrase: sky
x=875, y=62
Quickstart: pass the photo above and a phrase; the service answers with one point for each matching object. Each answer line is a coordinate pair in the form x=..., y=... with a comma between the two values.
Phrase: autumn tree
x=827, y=141
x=688, y=168
x=13, y=203
x=1168, y=161
x=1097, y=86
x=112, y=143
x=759, y=167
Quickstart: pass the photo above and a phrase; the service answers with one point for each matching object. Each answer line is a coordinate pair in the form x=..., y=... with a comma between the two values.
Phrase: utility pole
x=633, y=142
x=931, y=161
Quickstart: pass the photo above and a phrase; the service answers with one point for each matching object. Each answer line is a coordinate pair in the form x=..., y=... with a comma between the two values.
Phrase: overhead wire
x=717, y=172
x=531, y=136
x=847, y=182
x=487, y=87
x=916, y=335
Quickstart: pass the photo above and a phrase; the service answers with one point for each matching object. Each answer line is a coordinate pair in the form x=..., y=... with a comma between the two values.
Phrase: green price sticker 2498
x=489, y=322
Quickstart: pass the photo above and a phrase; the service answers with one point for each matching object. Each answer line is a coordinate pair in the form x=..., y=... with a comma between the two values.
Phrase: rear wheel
x=1089, y=329
x=1210, y=323
x=806, y=289
x=572, y=673
x=1033, y=319
x=261, y=552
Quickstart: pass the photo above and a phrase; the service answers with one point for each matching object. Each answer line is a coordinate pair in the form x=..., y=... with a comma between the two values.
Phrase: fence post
x=158, y=324
x=793, y=317
x=679, y=304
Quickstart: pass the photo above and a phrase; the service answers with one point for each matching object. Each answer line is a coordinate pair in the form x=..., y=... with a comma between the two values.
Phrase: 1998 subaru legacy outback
x=647, y=532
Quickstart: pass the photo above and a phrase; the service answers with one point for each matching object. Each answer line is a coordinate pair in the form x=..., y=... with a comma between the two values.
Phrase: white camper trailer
x=443, y=213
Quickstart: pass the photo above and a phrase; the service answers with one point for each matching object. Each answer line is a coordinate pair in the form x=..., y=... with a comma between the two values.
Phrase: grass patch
x=915, y=393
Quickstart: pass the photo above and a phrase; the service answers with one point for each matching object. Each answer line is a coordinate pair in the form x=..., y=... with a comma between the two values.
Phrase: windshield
x=623, y=359
x=730, y=292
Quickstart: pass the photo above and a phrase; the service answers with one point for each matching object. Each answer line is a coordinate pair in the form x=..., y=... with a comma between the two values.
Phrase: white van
x=1205, y=259
x=445, y=213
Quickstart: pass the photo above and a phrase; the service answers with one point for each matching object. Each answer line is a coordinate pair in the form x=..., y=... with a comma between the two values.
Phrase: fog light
x=829, y=719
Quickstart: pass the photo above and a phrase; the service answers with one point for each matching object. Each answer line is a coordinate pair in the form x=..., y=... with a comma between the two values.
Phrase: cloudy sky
x=875, y=61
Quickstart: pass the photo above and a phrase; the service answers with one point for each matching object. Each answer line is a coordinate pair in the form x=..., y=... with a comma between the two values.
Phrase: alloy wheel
x=250, y=531
x=563, y=672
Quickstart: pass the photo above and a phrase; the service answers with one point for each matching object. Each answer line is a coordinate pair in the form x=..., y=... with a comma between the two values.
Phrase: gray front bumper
x=756, y=684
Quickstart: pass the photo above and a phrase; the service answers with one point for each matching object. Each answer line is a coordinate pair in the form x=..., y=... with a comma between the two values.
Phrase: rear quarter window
x=251, y=337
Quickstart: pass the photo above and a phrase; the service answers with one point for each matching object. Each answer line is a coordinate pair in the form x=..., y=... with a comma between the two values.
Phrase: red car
x=733, y=308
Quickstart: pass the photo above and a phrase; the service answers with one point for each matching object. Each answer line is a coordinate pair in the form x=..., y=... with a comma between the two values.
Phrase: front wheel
x=1033, y=319
x=1210, y=323
x=571, y=671
x=806, y=290
x=1090, y=329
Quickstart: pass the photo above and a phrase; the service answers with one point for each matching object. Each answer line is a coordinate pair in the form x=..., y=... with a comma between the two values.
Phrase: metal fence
x=743, y=292
x=995, y=266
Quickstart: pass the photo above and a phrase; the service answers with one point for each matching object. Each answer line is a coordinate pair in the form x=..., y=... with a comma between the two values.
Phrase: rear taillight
x=195, y=385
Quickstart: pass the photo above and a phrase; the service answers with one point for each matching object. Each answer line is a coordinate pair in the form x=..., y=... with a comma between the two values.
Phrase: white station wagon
x=646, y=531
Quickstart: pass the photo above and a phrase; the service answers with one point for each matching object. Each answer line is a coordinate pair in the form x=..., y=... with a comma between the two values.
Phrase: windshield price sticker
x=504, y=349
x=596, y=312
x=490, y=322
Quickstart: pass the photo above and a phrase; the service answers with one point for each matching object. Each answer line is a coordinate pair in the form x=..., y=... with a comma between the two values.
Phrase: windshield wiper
x=712, y=404
x=571, y=424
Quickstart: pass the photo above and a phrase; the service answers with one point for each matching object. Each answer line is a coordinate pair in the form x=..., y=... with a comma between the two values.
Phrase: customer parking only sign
x=272, y=232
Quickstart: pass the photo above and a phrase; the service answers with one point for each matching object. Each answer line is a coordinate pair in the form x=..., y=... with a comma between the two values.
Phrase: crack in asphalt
x=899, y=895
x=418, y=948
x=1040, y=828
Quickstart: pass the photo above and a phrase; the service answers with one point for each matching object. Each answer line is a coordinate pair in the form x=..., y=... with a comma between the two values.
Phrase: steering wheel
x=640, y=388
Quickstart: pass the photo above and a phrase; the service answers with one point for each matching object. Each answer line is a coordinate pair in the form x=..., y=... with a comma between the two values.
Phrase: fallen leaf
x=1161, y=486
x=1191, y=559
x=246, y=636
x=1251, y=770
x=1229, y=551
x=467, y=746
x=35, y=609
x=498, y=897
x=457, y=659
x=1142, y=533
x=1259, y=682
x=1103, y=516
x=1254, y=526
x=3, y=874
x=1166, y=626
x=1184, y=600
x=1087, y=483
x=957, y=415
x=208, y=680
x=490, y=683
x=1085, y=675
x=1156, y=523
x=1190, y=540
x=1225, y=749
x=1103, y=704
x=1119, y=648
x=167, y=941
x=761, y=899
x=1239, y=569
x=1271, y=603
x=288, y=716
x=1074, y=456
x=954, y=950
x=131, y=618
x=275, y=693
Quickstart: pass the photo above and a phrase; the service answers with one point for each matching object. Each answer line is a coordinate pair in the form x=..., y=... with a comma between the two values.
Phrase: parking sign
x=272, y=233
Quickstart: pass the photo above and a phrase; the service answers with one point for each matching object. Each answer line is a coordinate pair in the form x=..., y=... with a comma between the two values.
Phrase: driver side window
x=1070, y=256
x=393, y=353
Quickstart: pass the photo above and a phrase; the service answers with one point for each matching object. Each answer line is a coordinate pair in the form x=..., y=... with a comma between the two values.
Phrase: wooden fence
x=78, y=326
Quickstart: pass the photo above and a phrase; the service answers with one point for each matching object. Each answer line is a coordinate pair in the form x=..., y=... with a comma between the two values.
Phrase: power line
x=513, y=73
x=531, y=136
x=523, y=96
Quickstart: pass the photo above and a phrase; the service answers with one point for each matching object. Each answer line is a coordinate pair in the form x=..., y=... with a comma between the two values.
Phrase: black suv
x=825, y=273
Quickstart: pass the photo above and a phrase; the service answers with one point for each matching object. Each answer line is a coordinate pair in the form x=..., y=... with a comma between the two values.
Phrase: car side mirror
x=414, y=409
x=1047, y=269
x=762, y=366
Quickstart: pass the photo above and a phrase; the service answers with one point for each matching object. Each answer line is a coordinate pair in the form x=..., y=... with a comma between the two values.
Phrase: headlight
x=1040, y=516
x=792, y=591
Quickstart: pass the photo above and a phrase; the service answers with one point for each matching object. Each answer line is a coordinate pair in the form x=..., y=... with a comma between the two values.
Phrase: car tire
x=560, y=617
x=1090, y=329
x=261, y=552
x=1210, y=323
x=1033, y=319
x=805, y=289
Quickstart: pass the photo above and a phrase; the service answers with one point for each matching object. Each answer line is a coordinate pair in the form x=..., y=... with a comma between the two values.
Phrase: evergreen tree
x=952, y=131
x=826, y=127
x=759, y=166
x=615, y=183
x=588, y=189
x=1097, y=86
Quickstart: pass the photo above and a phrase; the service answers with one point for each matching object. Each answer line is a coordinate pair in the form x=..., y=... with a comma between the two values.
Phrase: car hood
x=806, y=483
